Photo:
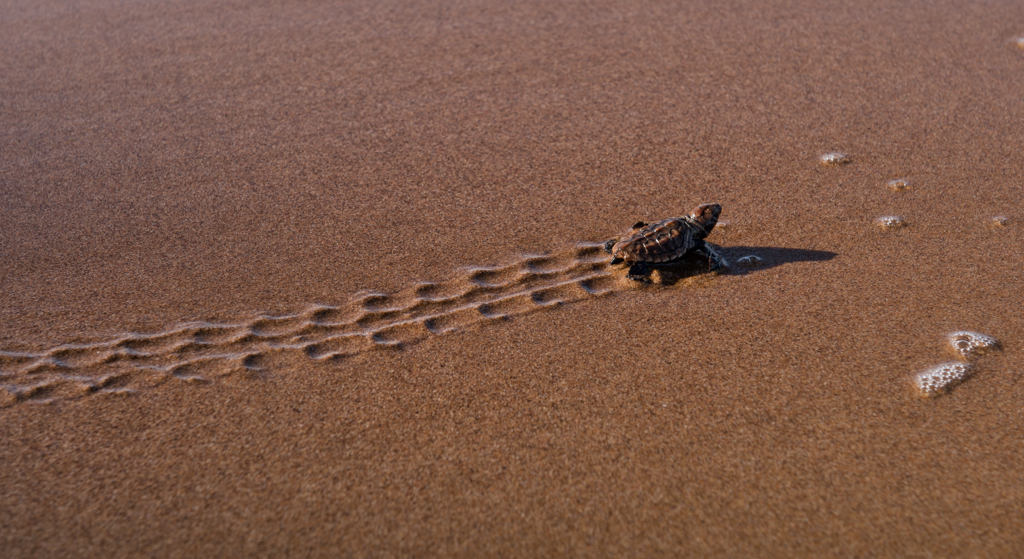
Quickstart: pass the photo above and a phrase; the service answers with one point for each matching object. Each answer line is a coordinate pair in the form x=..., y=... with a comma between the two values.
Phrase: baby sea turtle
x=666, y=242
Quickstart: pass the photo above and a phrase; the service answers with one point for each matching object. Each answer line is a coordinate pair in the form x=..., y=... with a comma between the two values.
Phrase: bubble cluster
x=1000, y=221
x=941, y=379
x=970, y=344
x=890, y=222
x=834, y=158
x=749, y=261
x=898, y=185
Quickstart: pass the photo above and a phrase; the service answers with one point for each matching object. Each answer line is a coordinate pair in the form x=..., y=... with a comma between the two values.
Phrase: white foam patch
x=1000, y=221
x=890, y=222
x=749, y=261
x=898, y=185
x=970, y=344
x=941, y=379
x=834, y=158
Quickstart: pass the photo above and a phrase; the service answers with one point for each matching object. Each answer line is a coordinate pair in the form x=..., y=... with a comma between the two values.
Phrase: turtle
x=666, y=242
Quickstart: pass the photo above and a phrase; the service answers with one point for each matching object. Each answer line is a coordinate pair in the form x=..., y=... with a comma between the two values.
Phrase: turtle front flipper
x=716, y=260
x=640, y=272
x=608, y=248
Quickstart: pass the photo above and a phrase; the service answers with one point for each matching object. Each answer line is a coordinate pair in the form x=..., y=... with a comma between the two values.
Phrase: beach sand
x=298, y=279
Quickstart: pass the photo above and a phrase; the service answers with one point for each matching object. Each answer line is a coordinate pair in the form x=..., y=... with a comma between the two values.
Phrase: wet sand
x=304, y=280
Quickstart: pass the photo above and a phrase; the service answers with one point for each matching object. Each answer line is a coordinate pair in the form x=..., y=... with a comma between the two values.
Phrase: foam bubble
x=1000, y=221
x=749, y=261
x=970, y=344
x=898, y=185
x=890, y=222
x=941, y=379
x=834, y=158
x=1019, y=41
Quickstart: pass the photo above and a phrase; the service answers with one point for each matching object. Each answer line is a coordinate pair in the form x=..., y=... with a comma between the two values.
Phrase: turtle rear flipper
x=639, y=225
x=609, y=244
x=640, y=272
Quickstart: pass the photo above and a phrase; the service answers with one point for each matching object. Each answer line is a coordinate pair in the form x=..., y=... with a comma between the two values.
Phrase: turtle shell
x=663, y=241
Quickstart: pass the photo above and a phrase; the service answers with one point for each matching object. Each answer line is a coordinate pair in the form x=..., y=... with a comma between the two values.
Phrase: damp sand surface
x=316, y=280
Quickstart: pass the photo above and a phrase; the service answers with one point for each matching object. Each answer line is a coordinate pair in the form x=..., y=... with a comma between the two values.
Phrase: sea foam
x=941, y=379
x=969, y=344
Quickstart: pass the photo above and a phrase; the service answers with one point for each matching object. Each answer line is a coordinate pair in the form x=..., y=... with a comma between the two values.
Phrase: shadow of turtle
x=771, y=257
x=765, y=258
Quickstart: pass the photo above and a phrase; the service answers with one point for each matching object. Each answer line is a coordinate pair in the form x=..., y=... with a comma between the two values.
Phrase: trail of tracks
x=202, y=352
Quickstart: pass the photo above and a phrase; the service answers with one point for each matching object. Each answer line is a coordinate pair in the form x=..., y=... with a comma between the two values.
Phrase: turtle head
x=706, y=215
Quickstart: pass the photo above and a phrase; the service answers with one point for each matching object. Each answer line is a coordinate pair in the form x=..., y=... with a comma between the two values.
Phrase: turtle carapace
x=666, y=242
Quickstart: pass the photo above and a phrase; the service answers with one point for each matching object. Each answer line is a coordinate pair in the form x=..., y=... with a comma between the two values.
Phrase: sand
x=303, y=279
